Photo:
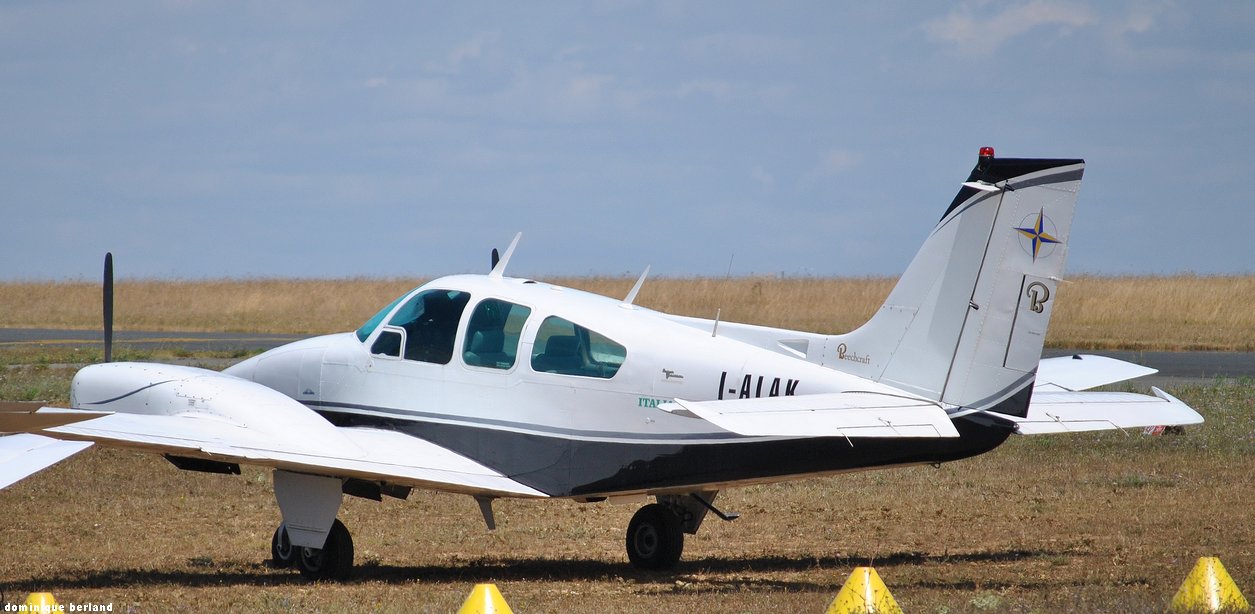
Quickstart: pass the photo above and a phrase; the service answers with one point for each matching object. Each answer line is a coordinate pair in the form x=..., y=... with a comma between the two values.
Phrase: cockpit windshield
x=422, y=329
x=429, y=322
x=369, y=327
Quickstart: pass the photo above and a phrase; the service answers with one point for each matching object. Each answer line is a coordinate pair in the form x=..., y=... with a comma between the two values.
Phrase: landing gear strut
x=655, y=538
x=334, y=561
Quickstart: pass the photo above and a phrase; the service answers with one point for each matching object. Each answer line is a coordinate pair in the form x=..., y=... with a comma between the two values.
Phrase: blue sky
x=220, y=139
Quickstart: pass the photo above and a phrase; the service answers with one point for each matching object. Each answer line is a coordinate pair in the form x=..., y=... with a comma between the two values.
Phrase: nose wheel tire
x=654, y=538
x=282, y=553
x=334, y=561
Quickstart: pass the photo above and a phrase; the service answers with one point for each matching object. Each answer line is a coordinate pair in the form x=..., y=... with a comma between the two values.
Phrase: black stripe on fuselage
x=564, y=466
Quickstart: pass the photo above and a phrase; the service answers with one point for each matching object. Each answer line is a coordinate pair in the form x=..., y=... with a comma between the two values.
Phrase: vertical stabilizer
x=966, y=322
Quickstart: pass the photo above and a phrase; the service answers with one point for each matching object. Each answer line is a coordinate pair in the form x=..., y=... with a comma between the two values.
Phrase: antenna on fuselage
x=496, y=257
x=637, y=288
x=107, y=300
x=498, y=266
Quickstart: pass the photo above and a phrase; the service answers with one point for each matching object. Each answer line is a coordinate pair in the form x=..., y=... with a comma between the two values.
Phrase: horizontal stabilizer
x=842, y=414
x=1085, y=371
x=1068, y=412
x=24, y=455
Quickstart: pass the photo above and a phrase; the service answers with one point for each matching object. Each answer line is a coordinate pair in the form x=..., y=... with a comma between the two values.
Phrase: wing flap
x=370, y=454
x=844, y=414
x=1068, y=412
x=1085, y=371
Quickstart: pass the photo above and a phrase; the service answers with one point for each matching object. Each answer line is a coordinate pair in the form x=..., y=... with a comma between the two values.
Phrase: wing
x=1084, y=371
x=23, y=455
x=842, y=414
x=1067, y=412
x=200, y=414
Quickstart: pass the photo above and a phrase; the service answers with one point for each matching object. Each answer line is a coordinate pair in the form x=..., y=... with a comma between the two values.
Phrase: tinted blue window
x=567, y=348
x=369, y=327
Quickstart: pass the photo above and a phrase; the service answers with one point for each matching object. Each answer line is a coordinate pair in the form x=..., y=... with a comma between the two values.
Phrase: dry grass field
x=1141, y=313
x=1086, y=523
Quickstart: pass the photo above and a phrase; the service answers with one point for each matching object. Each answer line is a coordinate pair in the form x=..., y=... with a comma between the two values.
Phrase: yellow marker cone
x=1209, y=588
x=864, y=593
x=485, y=599
x=41, y=602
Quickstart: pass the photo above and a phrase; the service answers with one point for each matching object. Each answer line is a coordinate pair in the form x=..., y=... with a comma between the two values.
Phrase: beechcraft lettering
x=844, y=353
x=491, y=386
x=756, y=387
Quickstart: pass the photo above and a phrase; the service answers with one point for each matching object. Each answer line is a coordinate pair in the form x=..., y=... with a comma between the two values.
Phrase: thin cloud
x=837, y=161
x=463, y=53
x=980, y=31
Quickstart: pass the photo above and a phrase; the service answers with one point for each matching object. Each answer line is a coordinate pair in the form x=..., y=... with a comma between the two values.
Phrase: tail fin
x=966, y=322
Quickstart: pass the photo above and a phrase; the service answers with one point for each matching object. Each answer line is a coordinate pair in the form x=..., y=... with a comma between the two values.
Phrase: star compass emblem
x=1036, y=235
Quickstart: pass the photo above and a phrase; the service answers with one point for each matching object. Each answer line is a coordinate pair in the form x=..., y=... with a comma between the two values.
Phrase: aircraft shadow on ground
x=707, y=574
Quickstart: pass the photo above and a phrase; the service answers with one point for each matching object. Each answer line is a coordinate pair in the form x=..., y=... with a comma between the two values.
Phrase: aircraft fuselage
x=579, y=432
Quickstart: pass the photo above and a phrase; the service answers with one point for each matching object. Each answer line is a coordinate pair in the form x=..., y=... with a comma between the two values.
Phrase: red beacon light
x=986, y=152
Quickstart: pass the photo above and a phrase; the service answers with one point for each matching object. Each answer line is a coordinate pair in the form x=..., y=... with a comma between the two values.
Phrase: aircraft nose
x=245, y=369
x=294, y=369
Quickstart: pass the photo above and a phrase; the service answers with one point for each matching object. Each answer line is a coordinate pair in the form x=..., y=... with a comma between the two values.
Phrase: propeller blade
x=108, y=304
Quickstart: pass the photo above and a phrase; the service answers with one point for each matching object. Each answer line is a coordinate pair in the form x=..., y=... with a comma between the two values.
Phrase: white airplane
x=501, y=387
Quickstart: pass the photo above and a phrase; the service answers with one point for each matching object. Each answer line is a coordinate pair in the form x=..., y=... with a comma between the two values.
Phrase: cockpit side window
x=567, y=348
x=388, y=343
x=430, y=321
x=492, y=337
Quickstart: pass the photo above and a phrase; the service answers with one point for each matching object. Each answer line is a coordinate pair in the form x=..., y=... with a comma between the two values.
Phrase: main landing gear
x=655, y=536
x=334, y=561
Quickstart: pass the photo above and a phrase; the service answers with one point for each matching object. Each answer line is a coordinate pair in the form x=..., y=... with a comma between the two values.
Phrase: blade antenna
x=631, y=297
x=108, y=306
x=496, y=257
x=498, y=269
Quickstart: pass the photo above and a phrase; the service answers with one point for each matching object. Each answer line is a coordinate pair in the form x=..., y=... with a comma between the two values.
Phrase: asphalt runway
x=1179, y=368
x=1174, y=367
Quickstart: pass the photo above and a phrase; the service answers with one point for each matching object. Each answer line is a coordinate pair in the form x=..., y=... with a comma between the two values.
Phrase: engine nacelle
x=174, y=390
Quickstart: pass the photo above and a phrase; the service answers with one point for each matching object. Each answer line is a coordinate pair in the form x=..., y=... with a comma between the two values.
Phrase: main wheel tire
x=334, y=561
x=282, y=553
x=655, y=538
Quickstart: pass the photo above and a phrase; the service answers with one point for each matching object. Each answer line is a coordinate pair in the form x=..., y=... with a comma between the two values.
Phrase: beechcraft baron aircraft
x=500, y=387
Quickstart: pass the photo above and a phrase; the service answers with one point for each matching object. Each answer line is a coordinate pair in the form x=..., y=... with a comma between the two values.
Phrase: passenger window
x=492, y=338
x=430, y=321
x=567, y=348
